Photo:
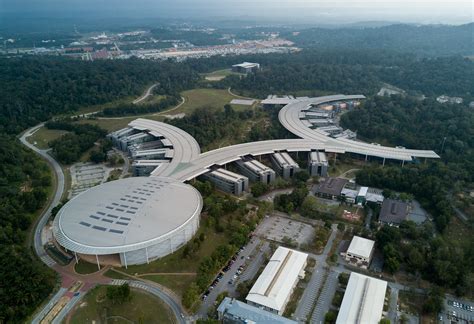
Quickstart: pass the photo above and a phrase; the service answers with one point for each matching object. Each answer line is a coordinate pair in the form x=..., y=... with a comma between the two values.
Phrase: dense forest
x=431, y=40
x=35, y=89
x=24, y=185
x=347, y=71
x=423, y=124
x=69, y=147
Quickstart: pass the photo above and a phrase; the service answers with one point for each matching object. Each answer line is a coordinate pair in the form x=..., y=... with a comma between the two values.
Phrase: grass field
x=43, y=136
x=84, y=267
x=207, y=98
x=177, y=283
x=142, y=308
x=219, y=74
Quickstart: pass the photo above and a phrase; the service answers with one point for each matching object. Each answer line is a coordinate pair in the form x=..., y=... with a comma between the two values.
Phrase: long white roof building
x=363, y=300
x=273, y=288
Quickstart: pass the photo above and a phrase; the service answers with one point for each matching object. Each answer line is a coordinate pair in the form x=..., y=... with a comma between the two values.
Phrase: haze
x=302, y=11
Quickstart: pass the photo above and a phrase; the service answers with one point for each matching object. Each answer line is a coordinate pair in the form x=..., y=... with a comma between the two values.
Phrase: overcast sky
x=421, y=11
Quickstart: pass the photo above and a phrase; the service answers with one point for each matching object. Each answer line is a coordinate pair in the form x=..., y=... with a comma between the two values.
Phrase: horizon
x=342, y=12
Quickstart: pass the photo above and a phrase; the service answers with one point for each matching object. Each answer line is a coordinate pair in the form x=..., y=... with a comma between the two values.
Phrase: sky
x=307, y=11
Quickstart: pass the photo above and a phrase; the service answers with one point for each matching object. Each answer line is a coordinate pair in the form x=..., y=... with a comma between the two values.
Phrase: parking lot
x=87, y=175
x=276, y=228
x=229, y=277
x=457, y=311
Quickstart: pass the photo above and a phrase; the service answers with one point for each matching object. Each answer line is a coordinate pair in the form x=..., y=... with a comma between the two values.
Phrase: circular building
x=131, y=221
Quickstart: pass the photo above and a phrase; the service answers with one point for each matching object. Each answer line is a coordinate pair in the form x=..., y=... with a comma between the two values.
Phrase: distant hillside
x=427, y=40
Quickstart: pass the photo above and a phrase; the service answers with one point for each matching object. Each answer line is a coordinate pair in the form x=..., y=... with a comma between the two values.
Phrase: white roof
x=247, y=65
x=361, y=247
x=363, y=191
x=274, y=285
x=125, y=215
x=363, y=300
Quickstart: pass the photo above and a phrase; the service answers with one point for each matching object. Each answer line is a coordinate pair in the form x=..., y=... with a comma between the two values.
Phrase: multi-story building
x=317, y=164
x=284, y=164
x=245, y=67
x=360, y=252
x=256, y=171
x=228, y=181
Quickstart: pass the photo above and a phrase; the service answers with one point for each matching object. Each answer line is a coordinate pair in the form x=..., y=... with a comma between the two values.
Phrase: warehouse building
x=393, y=212
x=129, y=221
x=256, y=171
x=363, y=300
x=245, y=67
x=317, y=164
x=360, y=252
x=273, y=288
x=330, y=188
x=228, y=181
x=233, y=311
x=284, y=164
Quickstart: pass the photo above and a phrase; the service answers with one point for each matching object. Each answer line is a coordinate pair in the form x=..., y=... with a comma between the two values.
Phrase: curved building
x=134, y=220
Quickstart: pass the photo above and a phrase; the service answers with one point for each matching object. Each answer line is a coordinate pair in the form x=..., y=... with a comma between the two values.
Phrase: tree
x=190, y=295
x=434, y=302
x=384, y=321
x=259, y=188
x=310, y=207
x=330, y=317
x=302, y=176
x=119, y=294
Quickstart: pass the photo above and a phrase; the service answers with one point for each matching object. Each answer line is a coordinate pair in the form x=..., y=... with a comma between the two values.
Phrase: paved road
x=38, y=244
x=145, y=95
x=223, y=284
x=392, y=307
x=67, y=308
x=310, y=293
x=175, y=307
x=325, y=299
x=49, y=306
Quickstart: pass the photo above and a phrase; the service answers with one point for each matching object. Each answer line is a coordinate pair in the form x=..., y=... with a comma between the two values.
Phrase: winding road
x=146, y=94
x=64, y=271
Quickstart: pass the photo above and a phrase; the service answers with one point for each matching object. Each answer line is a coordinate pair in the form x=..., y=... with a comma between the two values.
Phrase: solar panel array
x=121, y=213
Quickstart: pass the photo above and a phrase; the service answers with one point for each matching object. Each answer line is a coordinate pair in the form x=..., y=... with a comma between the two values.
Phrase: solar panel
x=125, y=218
x=115, y=231
x=113, y=216
x=95, y=217
x=107, y=220
x=130, y=212
x=100, y=213
x=85, y=224
x=100, y=228
x=121, y=223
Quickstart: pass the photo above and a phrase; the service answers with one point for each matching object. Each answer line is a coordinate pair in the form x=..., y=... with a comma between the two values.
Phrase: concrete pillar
x=75, y=255
x=125, y=259
x=335, y=158
x=97, y=258
x=146, y=251
x=403, y=163
x=383, y=164
x=366, y=158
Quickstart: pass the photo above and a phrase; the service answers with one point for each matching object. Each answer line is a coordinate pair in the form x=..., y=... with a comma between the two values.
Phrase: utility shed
x=363, y=300
x=274, y=286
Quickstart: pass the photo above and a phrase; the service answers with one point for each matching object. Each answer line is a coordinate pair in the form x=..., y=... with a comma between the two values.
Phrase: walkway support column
x=146, y=251
x=97, y=258
x=383, y=164
x=75, y=255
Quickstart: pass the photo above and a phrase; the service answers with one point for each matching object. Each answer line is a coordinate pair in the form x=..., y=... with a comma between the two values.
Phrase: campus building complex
x=228, y=181
x=256, y=171
x=129, y=221
x=273, y=288
x=317, y=164
x=284, y=164
x=245, y=67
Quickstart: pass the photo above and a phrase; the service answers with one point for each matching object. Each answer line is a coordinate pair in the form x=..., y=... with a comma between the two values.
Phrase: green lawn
x=84, y=267
x=208, y=98
x=177, y=283
x=219, y=74
x=142, y=308
x=43, y=136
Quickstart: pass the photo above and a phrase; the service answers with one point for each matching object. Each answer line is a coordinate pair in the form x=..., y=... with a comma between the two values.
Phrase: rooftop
x=123, y=215
x=277, y=279
x=361, y=247
x=331, y=186
x=363, y=300
x=393, y=211
x=252, y=314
